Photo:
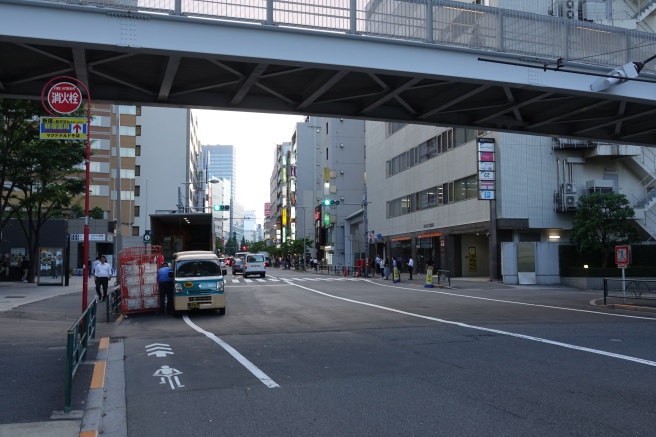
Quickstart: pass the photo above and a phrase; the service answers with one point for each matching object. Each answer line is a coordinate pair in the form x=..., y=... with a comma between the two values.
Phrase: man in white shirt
x=102, y=272
x=411, y=265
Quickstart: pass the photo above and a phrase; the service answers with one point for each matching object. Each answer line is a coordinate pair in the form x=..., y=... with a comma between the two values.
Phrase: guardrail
x=629, y=289
x=113, y=303
x=77, y=347
x=446, y=22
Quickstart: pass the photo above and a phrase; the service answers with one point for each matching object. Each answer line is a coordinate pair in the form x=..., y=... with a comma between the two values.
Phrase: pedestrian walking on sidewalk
x=102, y=273
x=411, y=265
x=25, y=265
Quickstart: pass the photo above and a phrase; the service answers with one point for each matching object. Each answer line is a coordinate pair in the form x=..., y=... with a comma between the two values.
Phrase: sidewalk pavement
x=34, y=321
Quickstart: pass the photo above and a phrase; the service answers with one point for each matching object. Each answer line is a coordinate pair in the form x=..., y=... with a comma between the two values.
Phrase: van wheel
x=221, y=311
x=261, y=275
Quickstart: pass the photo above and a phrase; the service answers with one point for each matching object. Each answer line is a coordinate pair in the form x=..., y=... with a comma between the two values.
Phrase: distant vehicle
x=224, y=270
x=254, y=265
x=267, y=259
x=197, y=281
x=241, y=255
x=237, y=266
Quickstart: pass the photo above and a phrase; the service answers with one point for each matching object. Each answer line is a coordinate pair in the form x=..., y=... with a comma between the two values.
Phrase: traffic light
x=243, y=248
x=330, y=202
x=221, y=207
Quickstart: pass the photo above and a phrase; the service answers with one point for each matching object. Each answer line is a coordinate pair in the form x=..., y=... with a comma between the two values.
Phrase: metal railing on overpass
x=444, y=22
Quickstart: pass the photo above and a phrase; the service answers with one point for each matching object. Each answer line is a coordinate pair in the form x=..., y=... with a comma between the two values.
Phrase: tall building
x=222, y=164
x=171, y=175
x=112, y=127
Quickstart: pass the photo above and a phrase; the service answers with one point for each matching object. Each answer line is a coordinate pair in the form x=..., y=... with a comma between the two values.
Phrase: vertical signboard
x=486, y=169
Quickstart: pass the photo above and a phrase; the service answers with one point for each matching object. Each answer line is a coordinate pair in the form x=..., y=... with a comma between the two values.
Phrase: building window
x=137, y=130
x=137, y=190
x=135, y=231
x=137, y=210
x=137, y=150
x=137, y=170
x=138, y=110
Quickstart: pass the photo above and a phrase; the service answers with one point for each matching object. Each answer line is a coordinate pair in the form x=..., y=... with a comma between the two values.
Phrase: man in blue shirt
x=165, y=285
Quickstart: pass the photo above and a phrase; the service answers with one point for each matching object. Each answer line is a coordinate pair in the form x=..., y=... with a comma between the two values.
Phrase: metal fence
x=77, y=348
x=629, y=289
x=531, y=32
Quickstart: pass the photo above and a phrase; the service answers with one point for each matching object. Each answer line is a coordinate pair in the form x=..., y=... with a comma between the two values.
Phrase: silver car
x=254, y=264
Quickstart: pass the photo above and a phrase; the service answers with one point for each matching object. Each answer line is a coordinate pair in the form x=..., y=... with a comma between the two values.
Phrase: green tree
x=231, y=245
x=39, y=178
x=258, y=246
x=96, y=213
x=77, y=211
x=603, y=221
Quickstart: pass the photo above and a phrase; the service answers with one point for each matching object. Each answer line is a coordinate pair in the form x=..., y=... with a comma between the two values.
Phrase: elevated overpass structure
x=435, y=62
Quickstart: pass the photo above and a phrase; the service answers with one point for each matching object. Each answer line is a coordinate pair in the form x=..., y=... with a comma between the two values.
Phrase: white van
x=254, y=264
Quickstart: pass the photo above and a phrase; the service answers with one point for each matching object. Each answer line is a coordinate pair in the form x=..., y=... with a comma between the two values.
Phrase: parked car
x=237, y=266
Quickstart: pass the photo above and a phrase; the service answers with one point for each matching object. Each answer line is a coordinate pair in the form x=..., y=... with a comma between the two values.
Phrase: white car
x=224, y=270
x=254, y=264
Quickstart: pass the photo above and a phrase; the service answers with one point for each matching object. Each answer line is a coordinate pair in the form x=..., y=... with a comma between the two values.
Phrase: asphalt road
x=301, y=354
x=313, y=355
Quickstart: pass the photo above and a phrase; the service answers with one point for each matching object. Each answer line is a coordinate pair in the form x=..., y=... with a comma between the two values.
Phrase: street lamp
x=206, y=182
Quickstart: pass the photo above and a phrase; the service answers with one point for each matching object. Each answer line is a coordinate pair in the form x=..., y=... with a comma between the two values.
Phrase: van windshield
x=185, y=269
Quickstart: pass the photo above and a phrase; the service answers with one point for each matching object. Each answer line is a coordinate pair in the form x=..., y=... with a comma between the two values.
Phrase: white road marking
x=496, y=331
x=235, y=281
x=236, y=355
x=428, y=290
x=248, y=280
x=261, y=280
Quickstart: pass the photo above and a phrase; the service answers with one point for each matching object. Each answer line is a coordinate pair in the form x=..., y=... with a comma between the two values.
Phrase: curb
x=93, y=412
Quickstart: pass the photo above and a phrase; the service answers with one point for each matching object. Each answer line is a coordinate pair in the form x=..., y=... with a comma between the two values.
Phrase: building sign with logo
x=486, y=170
x=92, y=237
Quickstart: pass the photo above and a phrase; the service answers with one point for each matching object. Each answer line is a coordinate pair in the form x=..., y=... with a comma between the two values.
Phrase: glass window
x=131, y=110
x=431, y=148
x=451, y=192
x=101, y=121
x=472, y=187
x=460, y=190
x=440, y=195
x=405, y=205
x=137, y=150
x=137, y=210
x=137, y=190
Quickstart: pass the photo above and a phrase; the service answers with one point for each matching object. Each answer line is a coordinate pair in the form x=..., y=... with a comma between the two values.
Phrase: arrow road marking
x=159, y=350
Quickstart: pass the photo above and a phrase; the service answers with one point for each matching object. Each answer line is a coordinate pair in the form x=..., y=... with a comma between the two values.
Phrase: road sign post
x=622, y=259
x=63, y=96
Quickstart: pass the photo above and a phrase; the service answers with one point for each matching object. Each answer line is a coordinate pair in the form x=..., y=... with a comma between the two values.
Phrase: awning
x=400, y=239
x=432, y=234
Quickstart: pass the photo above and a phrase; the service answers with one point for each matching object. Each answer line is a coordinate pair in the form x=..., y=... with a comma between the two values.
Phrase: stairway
x=645, y=10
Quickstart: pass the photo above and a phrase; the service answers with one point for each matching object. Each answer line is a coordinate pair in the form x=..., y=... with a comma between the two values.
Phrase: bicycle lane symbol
x=166, y=372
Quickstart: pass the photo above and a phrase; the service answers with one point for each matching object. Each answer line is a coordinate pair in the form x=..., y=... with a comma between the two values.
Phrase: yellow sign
x=472, y=259
x=429, y=277
x=326, y=174
x=284, y=216
x=63, y=128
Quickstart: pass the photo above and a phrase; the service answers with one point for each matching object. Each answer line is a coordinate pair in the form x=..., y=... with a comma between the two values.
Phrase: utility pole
x=366, y=232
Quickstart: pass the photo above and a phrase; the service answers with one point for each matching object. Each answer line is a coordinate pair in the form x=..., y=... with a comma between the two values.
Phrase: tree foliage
x=602, y=221
x=39, y=178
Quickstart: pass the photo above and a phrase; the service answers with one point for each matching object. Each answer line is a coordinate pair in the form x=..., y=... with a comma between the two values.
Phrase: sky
x=255, y=137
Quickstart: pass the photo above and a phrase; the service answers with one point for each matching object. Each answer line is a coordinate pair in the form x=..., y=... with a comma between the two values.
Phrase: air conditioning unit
x=569, y=188
x=567, y=8
x=570, y=202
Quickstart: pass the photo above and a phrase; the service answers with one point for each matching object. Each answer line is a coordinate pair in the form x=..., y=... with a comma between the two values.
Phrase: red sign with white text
x=64, y=97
